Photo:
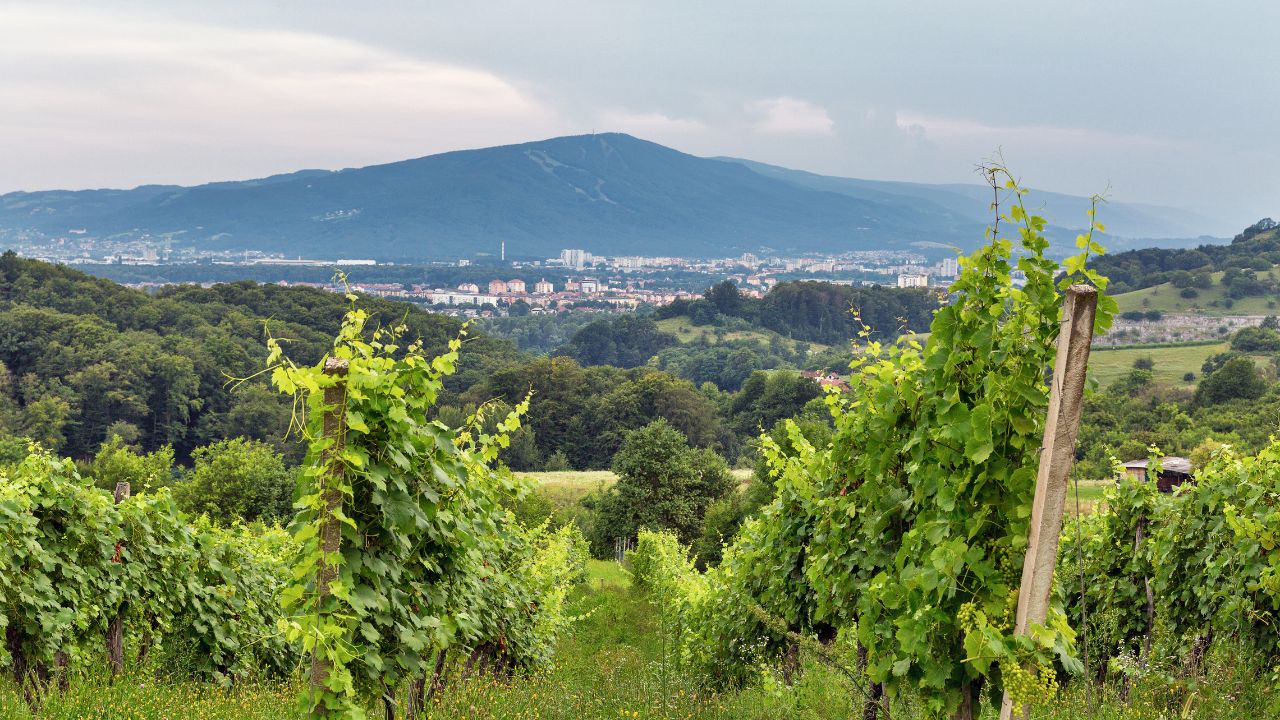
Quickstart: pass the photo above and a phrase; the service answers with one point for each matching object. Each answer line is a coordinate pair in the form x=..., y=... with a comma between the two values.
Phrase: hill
x=84, y=358
x=1126, y=223
x=608, y=193
x=1214, y=299
x=1257, y=247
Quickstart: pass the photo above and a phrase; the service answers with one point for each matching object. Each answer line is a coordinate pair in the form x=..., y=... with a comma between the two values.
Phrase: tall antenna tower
x=504, y=251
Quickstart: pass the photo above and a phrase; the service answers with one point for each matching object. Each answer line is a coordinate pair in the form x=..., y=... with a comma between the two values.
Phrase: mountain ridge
x=609, y=193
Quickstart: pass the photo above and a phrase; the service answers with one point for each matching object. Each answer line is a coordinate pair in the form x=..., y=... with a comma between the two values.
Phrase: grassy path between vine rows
x=611, y=666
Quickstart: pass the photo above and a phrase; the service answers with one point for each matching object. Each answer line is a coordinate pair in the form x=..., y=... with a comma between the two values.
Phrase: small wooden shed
x=1174, y=472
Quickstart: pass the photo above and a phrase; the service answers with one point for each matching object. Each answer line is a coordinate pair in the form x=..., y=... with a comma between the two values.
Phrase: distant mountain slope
x=609, y=193
x=1125, y=222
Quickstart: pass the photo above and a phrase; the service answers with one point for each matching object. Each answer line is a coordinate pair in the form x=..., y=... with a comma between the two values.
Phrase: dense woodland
x=815, y=311
x=85, y=360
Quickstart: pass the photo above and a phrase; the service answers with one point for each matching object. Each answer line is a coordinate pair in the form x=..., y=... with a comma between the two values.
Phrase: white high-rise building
x=576, y=258
x=949, y=267
x=542, y=287
x=907, y=281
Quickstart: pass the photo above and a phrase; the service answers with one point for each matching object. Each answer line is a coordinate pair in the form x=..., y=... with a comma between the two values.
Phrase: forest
x=85, y=360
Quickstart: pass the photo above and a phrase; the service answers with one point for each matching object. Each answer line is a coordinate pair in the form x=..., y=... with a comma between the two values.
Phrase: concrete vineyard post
x=1056, y=457
x=115, y=629
x=335, y=403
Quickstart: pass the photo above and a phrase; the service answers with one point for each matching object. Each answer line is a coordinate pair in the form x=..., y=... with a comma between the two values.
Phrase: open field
x=1171, y=363
x=570, y=486
x=1090, y=495
x=687, y=332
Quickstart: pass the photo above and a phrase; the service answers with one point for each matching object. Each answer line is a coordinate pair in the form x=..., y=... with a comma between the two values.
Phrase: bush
x=237, y=479
x=659, y=562
x=719, y=524
x=1256, y=339
x=1189, y=293
x=1237, y=378
x=116, y=462
x=1189, y=377
x=663, y=483
x=1146, y=362
x=557, y=462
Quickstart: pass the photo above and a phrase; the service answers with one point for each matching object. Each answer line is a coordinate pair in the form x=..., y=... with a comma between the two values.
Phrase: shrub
x=663, y=483
x=557, y=462
x=237, y=479
x=116, y=462
x=1256, y=339
x=1236, y=378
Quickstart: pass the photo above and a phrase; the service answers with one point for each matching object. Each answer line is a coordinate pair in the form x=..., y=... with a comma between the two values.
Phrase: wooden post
x=1056, y=457
x=335, y=404
x=115, y=629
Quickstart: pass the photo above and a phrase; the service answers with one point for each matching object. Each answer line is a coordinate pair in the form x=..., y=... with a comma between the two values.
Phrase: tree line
x=1257, y=247
x=84, y=360
x=812, y=311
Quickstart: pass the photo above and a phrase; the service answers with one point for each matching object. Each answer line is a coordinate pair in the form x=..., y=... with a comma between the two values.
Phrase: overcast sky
x=1168, y=102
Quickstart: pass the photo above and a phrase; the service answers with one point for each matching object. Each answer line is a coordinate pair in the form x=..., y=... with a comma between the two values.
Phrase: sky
x=1167, y=102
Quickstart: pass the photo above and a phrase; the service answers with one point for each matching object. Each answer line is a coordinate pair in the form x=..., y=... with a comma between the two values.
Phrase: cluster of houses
x=544, y=297
x=825, y=379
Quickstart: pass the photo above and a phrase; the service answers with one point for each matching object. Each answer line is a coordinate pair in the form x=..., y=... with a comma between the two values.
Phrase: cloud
x=157, y=100
x=789, y=116
x=648, y=124
x=962, y=130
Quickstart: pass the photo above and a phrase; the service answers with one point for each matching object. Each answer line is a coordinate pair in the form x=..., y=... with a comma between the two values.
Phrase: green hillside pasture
x=1171, y=363
x=686, y=332
x=1211, y=301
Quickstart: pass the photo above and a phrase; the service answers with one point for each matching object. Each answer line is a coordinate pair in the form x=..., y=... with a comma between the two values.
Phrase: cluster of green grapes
x=1009, y=562
x=1037, y=686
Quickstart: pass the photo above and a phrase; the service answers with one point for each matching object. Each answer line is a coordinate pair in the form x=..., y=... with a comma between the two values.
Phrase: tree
x=1256, y=340
x=237, y=479
x=766, y=398
x=117, y=462
x=726, y=298
x=1237, y=378
x=663, y=483
x=626, y=342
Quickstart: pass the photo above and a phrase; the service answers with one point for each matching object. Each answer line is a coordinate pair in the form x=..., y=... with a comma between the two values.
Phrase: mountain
x=1127, y=223
x=609, y=193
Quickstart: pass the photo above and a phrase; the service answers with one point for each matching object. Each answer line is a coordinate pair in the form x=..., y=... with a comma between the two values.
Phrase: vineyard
x=884, y=575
